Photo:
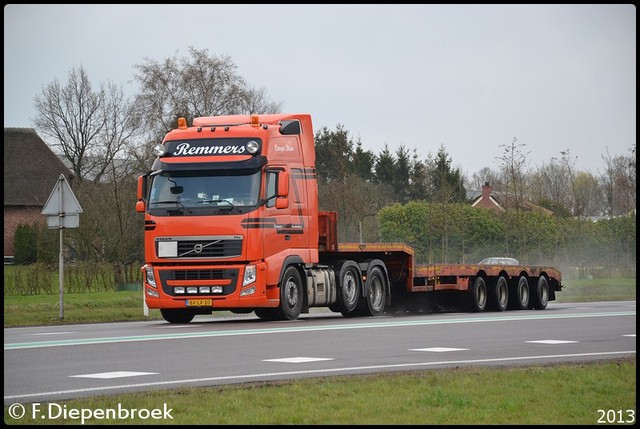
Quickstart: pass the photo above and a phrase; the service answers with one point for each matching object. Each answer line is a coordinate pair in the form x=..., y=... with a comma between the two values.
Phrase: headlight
x=249, y=275
x=151, y=279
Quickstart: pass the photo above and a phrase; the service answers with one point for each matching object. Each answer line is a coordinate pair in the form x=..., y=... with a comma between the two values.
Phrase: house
x=501, y=201
x=31, y=170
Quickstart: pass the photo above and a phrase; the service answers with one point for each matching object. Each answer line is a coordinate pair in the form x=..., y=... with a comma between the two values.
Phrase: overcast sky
x=468, y=78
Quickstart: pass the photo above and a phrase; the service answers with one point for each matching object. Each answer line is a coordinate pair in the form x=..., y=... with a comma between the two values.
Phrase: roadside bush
x=25, y=244
x=39, y=278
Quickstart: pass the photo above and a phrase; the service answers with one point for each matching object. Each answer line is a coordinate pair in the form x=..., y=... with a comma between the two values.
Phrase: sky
x=467, y=78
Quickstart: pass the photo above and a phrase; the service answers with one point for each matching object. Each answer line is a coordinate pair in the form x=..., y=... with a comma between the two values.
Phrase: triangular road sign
x=61, y=200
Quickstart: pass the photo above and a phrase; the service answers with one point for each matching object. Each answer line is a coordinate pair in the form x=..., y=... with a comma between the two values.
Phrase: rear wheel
x=540, y=294
x=520, y=294
x=500, y=294
x=376, y=298
x=349, y=285
x=477, y=295
x=177, y=315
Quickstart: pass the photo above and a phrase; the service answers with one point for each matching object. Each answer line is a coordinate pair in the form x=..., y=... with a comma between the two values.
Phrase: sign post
x=63, y=211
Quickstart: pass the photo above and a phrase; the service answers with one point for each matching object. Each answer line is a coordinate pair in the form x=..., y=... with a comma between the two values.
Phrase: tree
x=619, y=183
x=512, y=163
x=385, y=166
x=486, y=175
x=334, y=154
x=192, y=86
x=364, y=162
x=90, y=128
x=401, y=176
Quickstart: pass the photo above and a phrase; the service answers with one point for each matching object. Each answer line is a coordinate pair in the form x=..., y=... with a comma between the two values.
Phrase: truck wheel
x=349, y=285
x=268, y=313
x=520, y=294
x=477, y=295
x=540, y=294
x=177, y=315
x=291, y=294
x=377, y=292
x=500, y=294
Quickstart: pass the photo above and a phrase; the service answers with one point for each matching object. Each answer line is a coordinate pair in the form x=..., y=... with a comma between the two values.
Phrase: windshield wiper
x=230, y=207
x=176, y=202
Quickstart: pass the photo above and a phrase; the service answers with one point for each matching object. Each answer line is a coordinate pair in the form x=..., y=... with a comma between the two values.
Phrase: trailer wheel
x=500, y=294
x=540, y=295
x=521, y=294
x=377, y=292
x=478, y=295
x=349, y=283
x=177, y=315
x=291, y=294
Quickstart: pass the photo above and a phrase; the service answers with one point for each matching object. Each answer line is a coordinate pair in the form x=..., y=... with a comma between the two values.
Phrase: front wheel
x=291, y=294
x=177, y=315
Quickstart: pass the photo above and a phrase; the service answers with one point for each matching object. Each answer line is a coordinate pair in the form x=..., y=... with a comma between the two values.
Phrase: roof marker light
x=159, y=149
x=252, y=146
x=255, y=120
x=182, y=123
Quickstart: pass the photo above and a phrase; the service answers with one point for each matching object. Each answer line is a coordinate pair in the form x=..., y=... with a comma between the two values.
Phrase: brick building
x=31, y=170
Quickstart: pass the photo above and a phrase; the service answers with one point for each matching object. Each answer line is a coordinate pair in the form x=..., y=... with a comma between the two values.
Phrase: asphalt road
x=63, y=362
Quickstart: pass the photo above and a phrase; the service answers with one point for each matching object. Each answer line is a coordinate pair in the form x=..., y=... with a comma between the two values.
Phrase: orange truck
x=232, y=223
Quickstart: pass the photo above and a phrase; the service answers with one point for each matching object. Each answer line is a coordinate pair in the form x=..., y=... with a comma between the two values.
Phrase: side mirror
x=282, y=200
x=141, y=186
x=283, y=184
x=140, y=206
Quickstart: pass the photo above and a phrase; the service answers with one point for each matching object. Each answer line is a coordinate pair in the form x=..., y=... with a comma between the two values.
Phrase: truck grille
x=199, y=247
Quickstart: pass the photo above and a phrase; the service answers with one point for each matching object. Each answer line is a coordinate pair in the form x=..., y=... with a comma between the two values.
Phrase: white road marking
x=551, y=342
x=114, y=374
x=437, y=349
x=297, y=360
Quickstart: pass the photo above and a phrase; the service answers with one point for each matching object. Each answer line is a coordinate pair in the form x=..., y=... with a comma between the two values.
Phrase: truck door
x=290, y=224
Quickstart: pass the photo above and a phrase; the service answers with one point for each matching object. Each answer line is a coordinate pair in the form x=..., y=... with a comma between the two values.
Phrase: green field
x=565, y=394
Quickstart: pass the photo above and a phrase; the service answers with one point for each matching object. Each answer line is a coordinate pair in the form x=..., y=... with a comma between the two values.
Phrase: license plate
x=198, y=302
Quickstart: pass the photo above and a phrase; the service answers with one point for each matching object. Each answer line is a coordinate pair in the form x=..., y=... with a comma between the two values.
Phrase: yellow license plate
x=198, y=302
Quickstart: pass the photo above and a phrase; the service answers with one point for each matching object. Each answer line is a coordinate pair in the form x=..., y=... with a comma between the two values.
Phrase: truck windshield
x=204, y=192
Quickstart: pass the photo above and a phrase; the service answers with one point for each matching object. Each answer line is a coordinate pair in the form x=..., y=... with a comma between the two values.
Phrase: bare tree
x=588, y=195
x=90, y=128
x=513, y=162
x=569, y=162
x=192, y=86
x=619, y=183
x=484, y=175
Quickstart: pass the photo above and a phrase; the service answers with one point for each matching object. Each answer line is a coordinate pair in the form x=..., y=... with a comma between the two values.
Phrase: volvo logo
x=197, y=248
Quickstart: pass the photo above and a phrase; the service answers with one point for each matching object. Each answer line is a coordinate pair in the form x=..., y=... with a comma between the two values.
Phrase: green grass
x=564, y=394
x=597, y=290
x=93, y=307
